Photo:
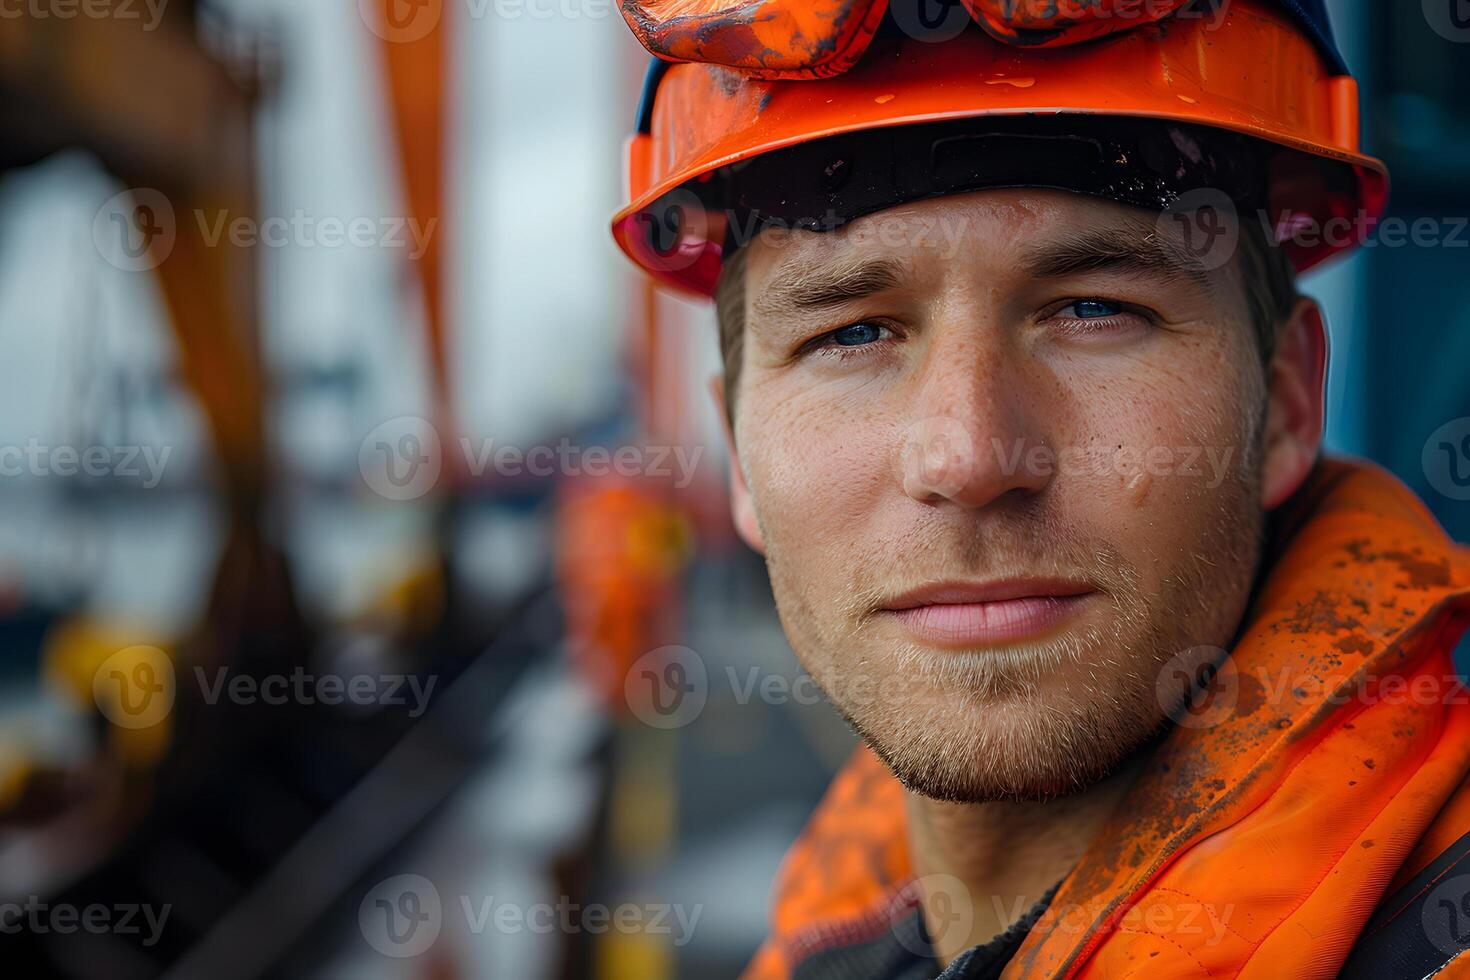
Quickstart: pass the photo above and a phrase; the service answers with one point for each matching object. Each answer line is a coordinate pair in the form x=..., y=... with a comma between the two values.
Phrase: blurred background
x=369, y=605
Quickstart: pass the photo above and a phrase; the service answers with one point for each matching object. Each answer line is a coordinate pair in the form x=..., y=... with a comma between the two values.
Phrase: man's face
x=1002, y=452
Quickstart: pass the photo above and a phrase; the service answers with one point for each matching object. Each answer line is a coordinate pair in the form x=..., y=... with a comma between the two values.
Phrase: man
x=1025, y=415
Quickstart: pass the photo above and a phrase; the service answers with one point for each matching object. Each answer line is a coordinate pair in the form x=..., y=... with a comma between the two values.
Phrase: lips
x=975, y=614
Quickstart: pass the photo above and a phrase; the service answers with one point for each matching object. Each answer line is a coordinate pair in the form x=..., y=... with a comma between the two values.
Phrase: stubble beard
x=1033, y=721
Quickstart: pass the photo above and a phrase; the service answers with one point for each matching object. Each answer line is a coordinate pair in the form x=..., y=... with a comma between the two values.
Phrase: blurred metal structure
x=180, y=124
x=218, y=796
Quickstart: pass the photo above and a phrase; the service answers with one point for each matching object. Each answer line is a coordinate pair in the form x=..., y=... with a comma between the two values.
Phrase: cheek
x=1163, y=456
x=816, y=474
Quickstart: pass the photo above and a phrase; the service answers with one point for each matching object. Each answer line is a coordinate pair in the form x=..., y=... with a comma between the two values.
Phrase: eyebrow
x=1121, y=250
x=1127, y=251
x=829, y=286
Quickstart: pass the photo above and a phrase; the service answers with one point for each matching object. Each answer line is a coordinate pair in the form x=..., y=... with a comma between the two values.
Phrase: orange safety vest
x=1335, y=789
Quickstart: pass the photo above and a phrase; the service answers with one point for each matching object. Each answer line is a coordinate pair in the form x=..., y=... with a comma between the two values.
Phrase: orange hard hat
x=814, y=112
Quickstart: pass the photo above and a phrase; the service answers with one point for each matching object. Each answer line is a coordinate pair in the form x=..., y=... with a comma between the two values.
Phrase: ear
x=742, y=509
x=1295, y=405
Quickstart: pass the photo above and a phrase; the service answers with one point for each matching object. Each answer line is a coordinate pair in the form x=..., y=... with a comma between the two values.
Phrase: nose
x=975, y=435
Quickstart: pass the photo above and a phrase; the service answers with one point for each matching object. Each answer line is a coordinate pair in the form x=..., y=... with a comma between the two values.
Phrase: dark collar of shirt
x=904, y=952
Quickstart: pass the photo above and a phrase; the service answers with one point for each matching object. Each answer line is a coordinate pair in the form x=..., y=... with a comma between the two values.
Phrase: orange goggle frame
x=796, y=39
x=1249, y=70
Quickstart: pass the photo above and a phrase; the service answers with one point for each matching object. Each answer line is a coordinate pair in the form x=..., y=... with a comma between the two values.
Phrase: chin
x=1028, y=743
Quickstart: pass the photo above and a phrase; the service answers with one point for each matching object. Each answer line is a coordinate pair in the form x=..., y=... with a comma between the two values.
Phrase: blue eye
x=1088, y=309
x=857, y=334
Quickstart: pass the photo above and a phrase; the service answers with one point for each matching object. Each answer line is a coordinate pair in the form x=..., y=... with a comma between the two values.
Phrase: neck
x=983, y=865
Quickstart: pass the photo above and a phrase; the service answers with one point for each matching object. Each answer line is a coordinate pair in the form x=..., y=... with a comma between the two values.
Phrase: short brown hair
x=1270, y=294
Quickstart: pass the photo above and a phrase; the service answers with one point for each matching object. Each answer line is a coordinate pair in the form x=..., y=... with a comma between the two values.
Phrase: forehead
x=995, y=237
x=999, y=229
